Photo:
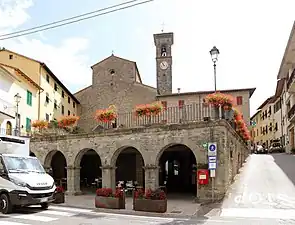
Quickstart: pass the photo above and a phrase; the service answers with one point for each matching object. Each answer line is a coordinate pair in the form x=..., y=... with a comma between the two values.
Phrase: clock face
x=164, y=65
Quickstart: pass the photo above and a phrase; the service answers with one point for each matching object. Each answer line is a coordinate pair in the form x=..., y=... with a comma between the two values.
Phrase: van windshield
x=17, y=164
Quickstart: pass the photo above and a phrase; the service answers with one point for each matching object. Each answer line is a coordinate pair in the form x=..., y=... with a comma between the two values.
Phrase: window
x=69, y=113
x=47, y=78
x=74, y=104
x=269, y=110
x=270, y=127
x=47, y=98
x=10, y=56
x=62, y=94
x=28, y=124
x=164, y=103
x=47, y=117
x=180, y=103
x=69, y=100
x=62, y=110
x=55, y=104
x=55, y=86
x=29, y=98
x=239, y=100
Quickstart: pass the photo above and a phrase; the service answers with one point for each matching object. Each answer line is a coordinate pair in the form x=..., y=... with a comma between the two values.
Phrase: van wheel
x=44, y=206
x=5, y=204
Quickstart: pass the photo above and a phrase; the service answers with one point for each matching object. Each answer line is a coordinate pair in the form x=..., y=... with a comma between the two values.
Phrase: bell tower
x=163, y=43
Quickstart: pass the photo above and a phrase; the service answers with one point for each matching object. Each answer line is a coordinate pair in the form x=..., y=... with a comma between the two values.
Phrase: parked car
x=276, y=147
x=261, y=150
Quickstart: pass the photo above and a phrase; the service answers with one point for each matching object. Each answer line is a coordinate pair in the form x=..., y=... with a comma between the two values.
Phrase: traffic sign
x=212, y=149
x=212, y=166
x=212, y=159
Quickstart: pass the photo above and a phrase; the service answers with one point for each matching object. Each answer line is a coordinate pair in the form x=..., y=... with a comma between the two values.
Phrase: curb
x=132, y=212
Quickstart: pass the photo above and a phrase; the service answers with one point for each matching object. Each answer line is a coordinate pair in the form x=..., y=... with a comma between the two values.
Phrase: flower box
x=150, y=201
x=149, y=109
x=106, y=115
x=149, y=205
x=105, y=198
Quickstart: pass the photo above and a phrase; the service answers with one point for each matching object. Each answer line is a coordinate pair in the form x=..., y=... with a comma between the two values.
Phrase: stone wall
x=151, y=143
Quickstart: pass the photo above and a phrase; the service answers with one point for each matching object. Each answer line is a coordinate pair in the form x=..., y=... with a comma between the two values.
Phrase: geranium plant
x=59, y=189
x=152, y=109
x=41, y=124
x=67, y=121
x=241, y=126
x=157, y=194
x=219, y=99
x=106, y=115
x=108, y=192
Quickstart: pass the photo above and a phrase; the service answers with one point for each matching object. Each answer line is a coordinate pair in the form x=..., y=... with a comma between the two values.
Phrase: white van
x=23, y=180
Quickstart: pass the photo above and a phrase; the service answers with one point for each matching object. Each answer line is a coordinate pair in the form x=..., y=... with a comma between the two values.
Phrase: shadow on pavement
x=287, y=163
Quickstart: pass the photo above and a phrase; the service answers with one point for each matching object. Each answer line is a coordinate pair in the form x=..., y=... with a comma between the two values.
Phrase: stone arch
x=89, y=163
x=129, y=163
x=177, y=168
x=56, y=164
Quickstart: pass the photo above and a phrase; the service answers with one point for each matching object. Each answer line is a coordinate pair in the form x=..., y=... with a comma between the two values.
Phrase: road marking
x=35, y=218
x=70, y=209
x=12, y=223
x=258, y=213
x=57, y=213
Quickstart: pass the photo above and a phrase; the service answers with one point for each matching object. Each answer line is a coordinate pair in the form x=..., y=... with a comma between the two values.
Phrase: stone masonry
x=151, y=142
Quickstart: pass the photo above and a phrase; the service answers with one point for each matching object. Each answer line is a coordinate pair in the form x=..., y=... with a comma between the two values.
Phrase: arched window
x=8, y=128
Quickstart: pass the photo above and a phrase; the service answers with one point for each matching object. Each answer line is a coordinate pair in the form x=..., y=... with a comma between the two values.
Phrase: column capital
x=108, y=167
x=150, y=167
x=73, y=168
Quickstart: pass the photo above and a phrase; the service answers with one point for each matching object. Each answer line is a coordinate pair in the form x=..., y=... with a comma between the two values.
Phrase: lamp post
x=214, y=52
x=17, y=99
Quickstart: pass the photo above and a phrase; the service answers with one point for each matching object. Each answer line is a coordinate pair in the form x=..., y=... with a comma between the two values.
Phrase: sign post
x=212, y=162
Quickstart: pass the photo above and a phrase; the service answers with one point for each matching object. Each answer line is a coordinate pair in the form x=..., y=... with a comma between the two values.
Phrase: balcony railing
x=7, y=108
x=170, y=115
x=13, y=132
x=291, y=112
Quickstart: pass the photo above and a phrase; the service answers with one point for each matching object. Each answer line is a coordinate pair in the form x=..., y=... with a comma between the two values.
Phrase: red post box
x=203, y=176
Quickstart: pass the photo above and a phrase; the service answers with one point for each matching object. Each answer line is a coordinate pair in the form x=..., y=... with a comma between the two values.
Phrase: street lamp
x=17, y=99
x=214, y=52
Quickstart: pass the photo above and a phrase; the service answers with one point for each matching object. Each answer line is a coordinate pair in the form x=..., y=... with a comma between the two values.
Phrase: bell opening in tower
x=163, y=51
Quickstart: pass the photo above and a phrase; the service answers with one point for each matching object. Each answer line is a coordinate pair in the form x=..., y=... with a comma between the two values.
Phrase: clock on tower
x=163, y=43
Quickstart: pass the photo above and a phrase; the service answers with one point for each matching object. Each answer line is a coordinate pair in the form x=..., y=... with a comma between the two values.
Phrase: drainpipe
x=282, y=132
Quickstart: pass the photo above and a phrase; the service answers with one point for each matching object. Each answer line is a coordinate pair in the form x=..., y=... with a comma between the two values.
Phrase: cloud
x=66, y=59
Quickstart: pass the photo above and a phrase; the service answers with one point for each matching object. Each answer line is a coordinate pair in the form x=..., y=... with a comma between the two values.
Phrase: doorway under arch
x=8, y=128
x=58, y=167
x=129, y=163
x=90, y=172
x=177, y=171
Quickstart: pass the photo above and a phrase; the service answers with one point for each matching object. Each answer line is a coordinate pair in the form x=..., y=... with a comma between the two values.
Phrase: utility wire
x=70, y=18
x=74, y=21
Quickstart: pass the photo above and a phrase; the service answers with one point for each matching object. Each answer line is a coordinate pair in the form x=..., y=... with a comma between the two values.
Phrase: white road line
x=57, y=213
x=258, y=213
x=35, y=218
x=12, y=223
x=70, y=209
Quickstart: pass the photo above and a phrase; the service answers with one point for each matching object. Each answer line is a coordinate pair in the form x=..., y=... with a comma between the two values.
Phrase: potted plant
x=106, y=115
x=67, y=121
x=150, y=201
x=59, y=195
x=217, y=100
x=152, y=109
x=241, y=126
x=106, y=198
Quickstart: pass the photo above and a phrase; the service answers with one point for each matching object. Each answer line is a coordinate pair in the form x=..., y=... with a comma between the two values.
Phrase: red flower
x=59, y=189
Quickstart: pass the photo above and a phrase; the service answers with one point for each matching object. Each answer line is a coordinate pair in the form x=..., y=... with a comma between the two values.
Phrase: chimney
x=178, y=89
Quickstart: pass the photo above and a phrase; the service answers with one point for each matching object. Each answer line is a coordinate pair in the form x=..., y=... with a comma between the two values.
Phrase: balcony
x=171, y=115
x=7, y=110
x=291, y=82
x=291, y=114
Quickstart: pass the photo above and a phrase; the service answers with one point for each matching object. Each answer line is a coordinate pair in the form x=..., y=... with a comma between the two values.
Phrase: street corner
x=209, y=210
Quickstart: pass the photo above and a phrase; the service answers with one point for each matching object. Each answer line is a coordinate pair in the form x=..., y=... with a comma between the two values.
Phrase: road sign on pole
x=212, y=149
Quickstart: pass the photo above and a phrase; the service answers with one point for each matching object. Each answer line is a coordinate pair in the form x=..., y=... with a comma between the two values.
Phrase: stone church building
x=164, y=154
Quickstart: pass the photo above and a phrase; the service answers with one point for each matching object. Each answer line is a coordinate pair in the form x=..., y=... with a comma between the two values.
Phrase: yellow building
x=15, y=82
x=266, y=125
x=53, y=100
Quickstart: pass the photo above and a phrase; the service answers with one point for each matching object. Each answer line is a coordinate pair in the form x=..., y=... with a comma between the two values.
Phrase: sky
x=250, y=35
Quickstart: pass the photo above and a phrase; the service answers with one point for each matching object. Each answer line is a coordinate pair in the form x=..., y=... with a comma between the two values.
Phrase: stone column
x=73, y=180
x=108, y=176
x=139, y=171
x=151, y=176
